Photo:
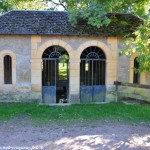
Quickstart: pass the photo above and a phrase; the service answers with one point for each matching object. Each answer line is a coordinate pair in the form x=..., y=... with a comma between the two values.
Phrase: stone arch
x=36, y=78
x=133, y=56
x=7, y=52
x=99, y=44
x=142, y=75
x=111, y=72
x=3, y=53
x=49, y=43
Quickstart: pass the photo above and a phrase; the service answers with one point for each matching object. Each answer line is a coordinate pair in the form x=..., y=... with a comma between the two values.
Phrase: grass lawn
x=115, y=111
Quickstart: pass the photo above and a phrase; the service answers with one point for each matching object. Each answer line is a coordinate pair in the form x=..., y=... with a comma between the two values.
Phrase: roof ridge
x=5, y=13
x=64, y=11
x=56, y=11
x=37, y=11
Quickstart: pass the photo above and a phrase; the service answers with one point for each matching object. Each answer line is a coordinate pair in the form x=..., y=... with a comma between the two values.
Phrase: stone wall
x=27, y=51
x=126, y=65
x=133, y=92
x=19, y=96
x=21, y=47
x=123, y=63
x=148, y=78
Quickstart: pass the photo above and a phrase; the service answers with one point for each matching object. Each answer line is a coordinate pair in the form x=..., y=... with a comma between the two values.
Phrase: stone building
x=45, y=58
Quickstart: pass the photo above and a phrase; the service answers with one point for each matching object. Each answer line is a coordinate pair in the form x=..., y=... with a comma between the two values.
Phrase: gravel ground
x=97, y=135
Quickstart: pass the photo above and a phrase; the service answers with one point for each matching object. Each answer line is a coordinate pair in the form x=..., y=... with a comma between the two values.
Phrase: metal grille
x=92, y=68
x=7, y=70
x=49, y=72
x=92, y=72
x=55, y=52
x=92, y=75
x=93, y=52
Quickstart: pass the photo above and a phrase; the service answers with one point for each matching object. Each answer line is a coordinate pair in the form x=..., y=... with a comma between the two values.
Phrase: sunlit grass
x=115, y=111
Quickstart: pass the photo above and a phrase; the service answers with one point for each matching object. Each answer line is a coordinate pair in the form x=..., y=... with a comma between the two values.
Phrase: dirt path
x=94, y=136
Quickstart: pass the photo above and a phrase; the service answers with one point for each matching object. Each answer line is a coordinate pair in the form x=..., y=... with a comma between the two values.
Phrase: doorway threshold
x=57, y=104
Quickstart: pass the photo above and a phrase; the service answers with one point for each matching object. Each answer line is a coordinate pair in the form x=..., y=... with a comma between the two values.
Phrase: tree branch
x=61, y=3
x=58, y=4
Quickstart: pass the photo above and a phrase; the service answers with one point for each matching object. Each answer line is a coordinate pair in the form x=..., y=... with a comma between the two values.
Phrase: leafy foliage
x=7, y=5
x=141, y=44
x=92, y=10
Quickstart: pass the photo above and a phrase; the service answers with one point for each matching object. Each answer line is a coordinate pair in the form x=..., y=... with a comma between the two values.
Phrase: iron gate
x=55, y=80
x=49, y=81
x=92, y=75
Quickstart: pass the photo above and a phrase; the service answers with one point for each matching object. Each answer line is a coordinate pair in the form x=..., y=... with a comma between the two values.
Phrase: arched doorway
x=92, y=75
x=55, y=75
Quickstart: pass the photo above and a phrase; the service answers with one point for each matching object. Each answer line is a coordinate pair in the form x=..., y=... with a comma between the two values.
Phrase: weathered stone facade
x=74, y=46
x=26, y=52
x=18, y=47
x=126, y=65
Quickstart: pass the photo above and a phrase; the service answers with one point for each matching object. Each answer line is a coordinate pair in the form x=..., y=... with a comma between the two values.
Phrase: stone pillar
x=14, y=71
x=74, y=84
x=36, y=77
x=111, y=76
x=111, y=71
x=112, y=66
x=131, y=71
x=1, y=73
x=36, y=65
x=143, y=78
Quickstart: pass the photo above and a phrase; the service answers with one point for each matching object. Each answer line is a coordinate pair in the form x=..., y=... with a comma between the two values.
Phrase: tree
x=7, y=5
x=91, y=10
x=141, y=44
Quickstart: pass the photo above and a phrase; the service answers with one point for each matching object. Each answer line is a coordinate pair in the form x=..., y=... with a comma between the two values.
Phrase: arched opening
x=55, y=75
x=136, y=75
x=7, y=70
x=92, y=75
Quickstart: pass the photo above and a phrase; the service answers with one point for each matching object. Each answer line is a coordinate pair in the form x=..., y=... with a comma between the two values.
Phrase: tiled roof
x=57, y=23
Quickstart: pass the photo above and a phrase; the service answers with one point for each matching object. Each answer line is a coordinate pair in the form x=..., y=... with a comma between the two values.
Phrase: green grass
x=115, y=111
